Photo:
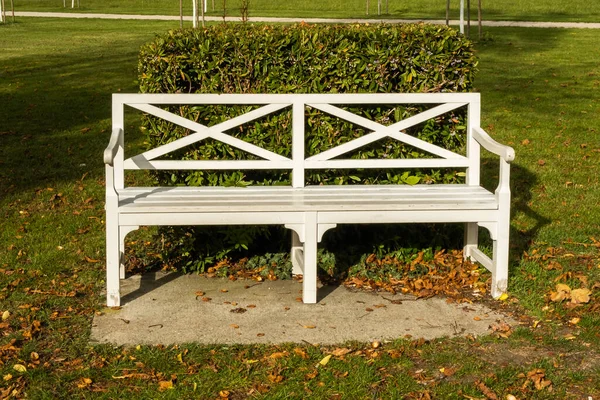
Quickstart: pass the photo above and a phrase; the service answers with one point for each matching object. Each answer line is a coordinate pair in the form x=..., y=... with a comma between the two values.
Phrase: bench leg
x=309, y=281
x=471, y=239
x=113, y=262
x=500, y=260
x=297, y=255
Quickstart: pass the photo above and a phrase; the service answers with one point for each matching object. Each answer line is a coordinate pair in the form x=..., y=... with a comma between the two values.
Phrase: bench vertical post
x=501, y=244
x=471, y=239
x=114, y=180
x=309, y=278
x=298, y=145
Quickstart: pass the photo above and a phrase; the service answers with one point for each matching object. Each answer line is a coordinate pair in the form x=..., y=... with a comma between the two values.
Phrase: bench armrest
x=113, y=146
x=507, y=153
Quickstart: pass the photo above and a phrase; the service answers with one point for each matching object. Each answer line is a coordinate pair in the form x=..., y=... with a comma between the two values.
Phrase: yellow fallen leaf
x=19, y=368
x=574, y=321
x=579, y=296
x=503, y=297
x=7, y=377
x=165, y=385
x=5, y=315
x=309, y=326
x=180, y=357
x=341, y=351
x=279, y=354
x=325, y=360
x=561, y=287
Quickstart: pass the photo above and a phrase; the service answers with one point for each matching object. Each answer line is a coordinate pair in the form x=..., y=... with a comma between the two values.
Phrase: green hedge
x=233, y=58
x=308, y=59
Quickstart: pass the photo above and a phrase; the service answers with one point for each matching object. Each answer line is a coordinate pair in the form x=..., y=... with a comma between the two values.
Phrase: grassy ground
x=540, y=93
x=544, y=10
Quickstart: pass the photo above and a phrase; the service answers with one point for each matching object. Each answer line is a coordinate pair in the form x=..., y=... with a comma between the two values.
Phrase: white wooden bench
x=308, y=211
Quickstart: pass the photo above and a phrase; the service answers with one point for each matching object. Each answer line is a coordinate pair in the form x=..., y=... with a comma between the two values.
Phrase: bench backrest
x=441, y=103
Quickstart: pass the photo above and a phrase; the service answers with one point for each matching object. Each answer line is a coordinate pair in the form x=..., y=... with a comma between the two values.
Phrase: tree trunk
x=468, y=18
x=12, y=8
x=195, y=13
x=181, y=14
x=367, y=7
x=479, y=18
x=447, y=12
x=202, y=4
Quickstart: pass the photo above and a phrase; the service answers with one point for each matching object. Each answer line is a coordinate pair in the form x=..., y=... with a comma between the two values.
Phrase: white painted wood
x=309, y=277
x=382, y=131
x=298, y=142
x=113, y=146
x=353, y=163
x=308, y=211
x=215, y=132
x=473, y=147
x=507, y=153
x=261, y=99
x=297, y=255
x=133, y=164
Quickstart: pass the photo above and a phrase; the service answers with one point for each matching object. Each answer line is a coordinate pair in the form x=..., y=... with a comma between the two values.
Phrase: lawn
x=540, y=92
x=521, y=10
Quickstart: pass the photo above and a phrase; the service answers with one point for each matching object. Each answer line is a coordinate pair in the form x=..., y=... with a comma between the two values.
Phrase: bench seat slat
x=316, y=198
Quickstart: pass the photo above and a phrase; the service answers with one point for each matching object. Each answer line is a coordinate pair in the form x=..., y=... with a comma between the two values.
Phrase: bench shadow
x=149, y=281
x=349, y=244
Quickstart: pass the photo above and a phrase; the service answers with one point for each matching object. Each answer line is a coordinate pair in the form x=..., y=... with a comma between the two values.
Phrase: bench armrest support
x=507, y=153
x=113, y=146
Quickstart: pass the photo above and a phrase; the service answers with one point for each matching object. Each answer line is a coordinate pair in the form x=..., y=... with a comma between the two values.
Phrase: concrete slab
x=163, y=308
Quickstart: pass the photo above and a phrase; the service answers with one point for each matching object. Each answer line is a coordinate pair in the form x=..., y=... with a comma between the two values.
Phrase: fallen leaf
x=19, y=368
x=487, y=392
x=541, y=163
x=325, y=360
x=309, y=326
x=239, y=310
x=199, y=293
x=206, y=299
x=278, y=354
x=91, y=260
x=84, y=382
x=251, y=306
x=525, y=142
x=260, y=334
x=165, y=385
x=574, y=321
x=5, y=315
x=579, y=296
x=224, y=290
x=340, y=351
x=234, y=326
x=7, y=377
x=274, y=377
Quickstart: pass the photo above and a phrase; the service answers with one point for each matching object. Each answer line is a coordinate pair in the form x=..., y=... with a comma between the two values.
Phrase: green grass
x=543, y=10
x=539, y=92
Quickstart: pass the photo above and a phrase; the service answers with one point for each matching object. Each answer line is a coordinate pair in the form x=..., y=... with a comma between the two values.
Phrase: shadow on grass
x=56, y=98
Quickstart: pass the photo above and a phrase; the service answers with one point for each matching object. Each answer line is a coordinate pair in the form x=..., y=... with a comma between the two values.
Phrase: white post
x=462, y=16
x=1, y=13
x=72, y=3
x=195, y=13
